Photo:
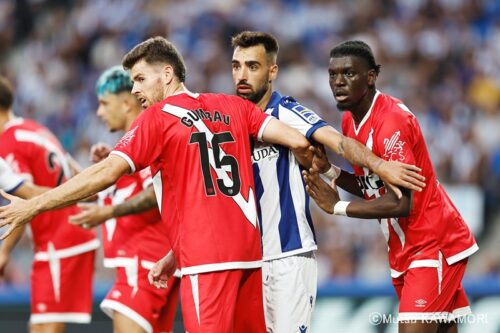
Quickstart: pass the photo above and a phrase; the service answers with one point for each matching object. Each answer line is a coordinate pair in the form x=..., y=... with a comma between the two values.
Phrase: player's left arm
x=327, y=198
x=277, y=132
x=90, y=181
x=393, y=173
x=29, y=190
x=92, y=215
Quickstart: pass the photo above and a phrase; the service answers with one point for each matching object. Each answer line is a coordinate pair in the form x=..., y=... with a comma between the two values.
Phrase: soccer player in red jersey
x=132, y=242
x=64, y=254
x=428, y=240
x=198, y=148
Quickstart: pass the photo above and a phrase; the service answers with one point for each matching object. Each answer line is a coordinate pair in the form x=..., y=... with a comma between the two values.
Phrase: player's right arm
x=391, y=172
x=88, y=182
x=277, y=132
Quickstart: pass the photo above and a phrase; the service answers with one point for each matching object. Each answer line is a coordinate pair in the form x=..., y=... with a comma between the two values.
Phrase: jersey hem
x=108, y=306
x=221, y=267
x=16, y=187
x=462, y=255
x=290, y=253
x=61, y=317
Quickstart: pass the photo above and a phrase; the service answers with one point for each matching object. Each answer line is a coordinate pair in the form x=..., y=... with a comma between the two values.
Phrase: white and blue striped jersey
x=283, y=204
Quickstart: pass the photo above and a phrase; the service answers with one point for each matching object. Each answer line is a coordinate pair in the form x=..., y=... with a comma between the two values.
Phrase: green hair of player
x=114, y=81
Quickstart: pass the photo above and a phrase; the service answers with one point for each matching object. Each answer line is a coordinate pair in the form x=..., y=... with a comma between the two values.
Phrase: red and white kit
x=132, y=244
x=198, y=146
x=433, y=240
x=64, y=254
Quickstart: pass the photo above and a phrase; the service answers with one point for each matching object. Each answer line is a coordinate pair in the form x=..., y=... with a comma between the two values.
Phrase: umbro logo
x=420, y=303
x=116, y=294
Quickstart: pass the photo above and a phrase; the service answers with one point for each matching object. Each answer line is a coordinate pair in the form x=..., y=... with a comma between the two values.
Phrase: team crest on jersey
x=394, y=148
x=125, y=140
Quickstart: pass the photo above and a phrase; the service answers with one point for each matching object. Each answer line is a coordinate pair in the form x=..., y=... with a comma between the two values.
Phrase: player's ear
x=273, y=72
x=372, y=77
x=168, y=73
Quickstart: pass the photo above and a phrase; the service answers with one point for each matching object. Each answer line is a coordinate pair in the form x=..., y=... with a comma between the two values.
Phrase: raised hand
x=15, y=214
x=91, y=215
x=326, y=196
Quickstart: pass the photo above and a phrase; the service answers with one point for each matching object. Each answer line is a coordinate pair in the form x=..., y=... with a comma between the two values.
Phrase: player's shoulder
x=392, y=109
x=280, y=104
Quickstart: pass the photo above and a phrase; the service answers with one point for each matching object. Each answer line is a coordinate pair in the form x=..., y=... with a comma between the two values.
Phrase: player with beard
x=197, y=147
x=288, y=238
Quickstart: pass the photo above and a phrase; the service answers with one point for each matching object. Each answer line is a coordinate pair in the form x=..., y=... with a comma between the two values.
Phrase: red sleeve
x=142, y=144
x=394, y=139
x=256, y=118
x=17, y=160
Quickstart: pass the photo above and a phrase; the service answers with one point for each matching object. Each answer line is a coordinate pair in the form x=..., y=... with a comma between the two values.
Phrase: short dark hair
x=156, y=49
x=252, y=38
x=6, y=93
x=356, y=48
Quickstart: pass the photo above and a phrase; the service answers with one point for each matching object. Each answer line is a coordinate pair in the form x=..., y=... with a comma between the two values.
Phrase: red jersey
x=36, y=154
x=143, y=235
x=198, y=146
x=392, y=132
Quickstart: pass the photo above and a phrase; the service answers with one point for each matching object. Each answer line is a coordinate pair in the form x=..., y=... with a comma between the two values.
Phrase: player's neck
x=262, y=104
x=174, y=88
x=5, y=117
x=359, y=111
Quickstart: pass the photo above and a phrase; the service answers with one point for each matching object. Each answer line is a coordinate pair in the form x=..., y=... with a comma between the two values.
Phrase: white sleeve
x=9, y=181
x=302, y=119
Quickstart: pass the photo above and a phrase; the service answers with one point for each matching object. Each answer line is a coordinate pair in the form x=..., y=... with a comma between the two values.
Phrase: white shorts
x=289, y=287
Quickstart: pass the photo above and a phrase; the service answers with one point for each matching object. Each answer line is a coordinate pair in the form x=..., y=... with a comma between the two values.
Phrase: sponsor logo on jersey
x=394, y=148
x=370, y=182
x=420, y=303
x=263, y=152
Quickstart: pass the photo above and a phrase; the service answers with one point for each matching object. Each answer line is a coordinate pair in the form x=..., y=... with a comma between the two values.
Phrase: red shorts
x=432, y=293
x=151, y=308
x=61, y=289
x=225, y=301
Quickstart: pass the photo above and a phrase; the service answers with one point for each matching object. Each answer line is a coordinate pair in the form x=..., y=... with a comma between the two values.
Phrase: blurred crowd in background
x=441, y=57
